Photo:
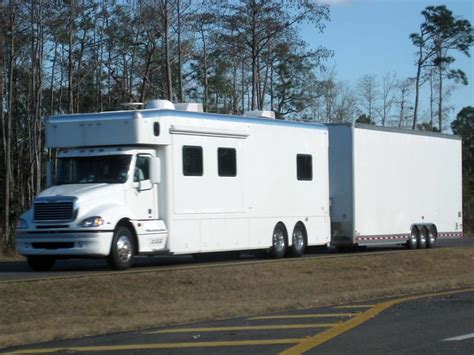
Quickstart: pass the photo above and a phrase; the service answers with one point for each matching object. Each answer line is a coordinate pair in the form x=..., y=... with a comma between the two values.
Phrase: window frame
x=300, y=176
x=183, y=155
x=234, y=173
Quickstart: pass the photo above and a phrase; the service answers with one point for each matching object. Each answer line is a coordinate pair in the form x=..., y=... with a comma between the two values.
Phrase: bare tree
x=387, y=96
x=368, y=93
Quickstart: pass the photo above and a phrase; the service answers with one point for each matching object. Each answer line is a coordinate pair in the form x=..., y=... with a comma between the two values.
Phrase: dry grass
x=46, y=310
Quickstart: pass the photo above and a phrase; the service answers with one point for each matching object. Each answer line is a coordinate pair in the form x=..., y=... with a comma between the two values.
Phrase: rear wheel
x=279, y=242
x=122, y=251
x=299, y=240
x=41, y=263
x=422, y=238
x=412, y=242
x=432, y=236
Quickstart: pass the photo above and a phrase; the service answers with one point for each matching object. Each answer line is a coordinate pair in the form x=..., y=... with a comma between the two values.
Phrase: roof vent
x=159, y=105
x=260, y=114
x=191, y=106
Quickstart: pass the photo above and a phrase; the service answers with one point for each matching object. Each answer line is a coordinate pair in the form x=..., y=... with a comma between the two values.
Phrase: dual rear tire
x=279, y=246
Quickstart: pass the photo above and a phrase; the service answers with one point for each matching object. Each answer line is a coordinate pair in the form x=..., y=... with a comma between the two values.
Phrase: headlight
x=95, y=221
x=21, y=224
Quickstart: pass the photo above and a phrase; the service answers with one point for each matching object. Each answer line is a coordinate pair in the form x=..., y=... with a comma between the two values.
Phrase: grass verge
x=55, y=309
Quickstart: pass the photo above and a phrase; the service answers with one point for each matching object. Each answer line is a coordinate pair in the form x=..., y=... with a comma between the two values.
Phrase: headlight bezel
x=92, y=222
x=21, y=224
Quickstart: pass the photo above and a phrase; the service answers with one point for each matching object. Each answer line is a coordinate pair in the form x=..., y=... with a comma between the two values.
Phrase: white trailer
x=392, y=186
x=167, y=181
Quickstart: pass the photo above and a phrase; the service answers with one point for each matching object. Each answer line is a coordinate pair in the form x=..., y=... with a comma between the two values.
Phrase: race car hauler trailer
x=392, y=186
x=169, y=180
x=162, y=180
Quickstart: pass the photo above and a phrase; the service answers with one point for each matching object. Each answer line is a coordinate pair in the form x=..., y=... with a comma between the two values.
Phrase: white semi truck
x=170, y=179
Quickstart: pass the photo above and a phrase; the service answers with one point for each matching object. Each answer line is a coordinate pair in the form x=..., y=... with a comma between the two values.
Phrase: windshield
x=111, y=169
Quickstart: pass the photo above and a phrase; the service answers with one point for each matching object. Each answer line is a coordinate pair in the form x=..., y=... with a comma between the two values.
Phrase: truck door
x=143, y=195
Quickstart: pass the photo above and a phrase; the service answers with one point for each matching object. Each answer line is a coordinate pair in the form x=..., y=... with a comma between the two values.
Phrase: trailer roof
x=397, y=130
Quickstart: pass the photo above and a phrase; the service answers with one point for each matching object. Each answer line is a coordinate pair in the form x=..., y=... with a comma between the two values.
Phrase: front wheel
x=122, y=251
x=41, y=263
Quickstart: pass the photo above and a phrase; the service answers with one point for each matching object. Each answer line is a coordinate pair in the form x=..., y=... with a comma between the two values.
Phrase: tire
x=299, y=240
x=41, y=263
x=122, y=251
x=432, y=236
x=422, y=238
x=412, y=242
x=279, y=242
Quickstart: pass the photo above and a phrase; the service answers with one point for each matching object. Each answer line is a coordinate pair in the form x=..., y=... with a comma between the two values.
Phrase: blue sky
x=372, y=37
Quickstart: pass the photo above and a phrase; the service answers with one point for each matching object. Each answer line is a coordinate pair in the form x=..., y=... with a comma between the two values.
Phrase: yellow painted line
x=237, y=328
x=320, y=338
x=302, y=316
x=204, y=344
x=355, y=306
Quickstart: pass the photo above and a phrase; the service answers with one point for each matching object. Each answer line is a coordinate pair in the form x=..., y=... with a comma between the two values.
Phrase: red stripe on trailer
x=382, y=237
x=447, y=235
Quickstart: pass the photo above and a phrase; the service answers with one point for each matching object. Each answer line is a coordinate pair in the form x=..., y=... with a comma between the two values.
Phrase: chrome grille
x=53, y=211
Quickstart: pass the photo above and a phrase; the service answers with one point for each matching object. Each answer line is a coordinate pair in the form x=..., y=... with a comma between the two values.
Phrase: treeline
x=232, y=56
x=83, y=56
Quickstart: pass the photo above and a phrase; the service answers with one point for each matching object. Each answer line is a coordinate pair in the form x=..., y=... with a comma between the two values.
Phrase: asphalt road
x=19, y=270
x=439, y=323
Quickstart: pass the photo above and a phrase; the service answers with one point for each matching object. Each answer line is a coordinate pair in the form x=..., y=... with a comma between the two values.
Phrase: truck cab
x=102, y=199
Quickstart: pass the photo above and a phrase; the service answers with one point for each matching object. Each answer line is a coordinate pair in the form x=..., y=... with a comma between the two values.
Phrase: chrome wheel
x=279, y=242
x=124, y=248
x=432, y=235
x=412, y=242
x=299, y=240
x=422, y=237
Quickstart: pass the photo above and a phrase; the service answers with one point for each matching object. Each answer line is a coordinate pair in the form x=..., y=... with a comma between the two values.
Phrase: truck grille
x=53, y=211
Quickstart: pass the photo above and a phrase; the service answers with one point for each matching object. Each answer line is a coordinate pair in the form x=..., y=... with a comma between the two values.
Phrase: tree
x=464, y=126
x=364, y=119
x=368, y=91
x=440, y=35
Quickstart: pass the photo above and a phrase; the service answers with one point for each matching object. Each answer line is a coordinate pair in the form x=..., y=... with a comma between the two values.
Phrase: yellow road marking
x=302, y=316
x=320, y=338
x=237, y=328
x=355, y=306
x=202, y=344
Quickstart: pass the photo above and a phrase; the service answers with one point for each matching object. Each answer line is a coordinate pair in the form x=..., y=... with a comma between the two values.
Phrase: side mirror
x=155, y=171
x=49, y=174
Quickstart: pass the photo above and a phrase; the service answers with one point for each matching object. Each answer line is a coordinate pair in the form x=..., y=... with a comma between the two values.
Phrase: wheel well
x=125, y=222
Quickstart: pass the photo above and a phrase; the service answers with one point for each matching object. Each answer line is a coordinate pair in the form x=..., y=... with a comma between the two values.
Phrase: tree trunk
x=180, y=59
x=70, y=58
x=417, y=84
x=169, y=84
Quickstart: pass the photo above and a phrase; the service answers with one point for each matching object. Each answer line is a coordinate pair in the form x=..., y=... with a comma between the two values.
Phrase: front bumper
x=64, y=243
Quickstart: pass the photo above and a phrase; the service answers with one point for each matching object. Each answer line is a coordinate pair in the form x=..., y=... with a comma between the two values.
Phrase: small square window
x=304, y=167
x=227, y=162
x=192, y=161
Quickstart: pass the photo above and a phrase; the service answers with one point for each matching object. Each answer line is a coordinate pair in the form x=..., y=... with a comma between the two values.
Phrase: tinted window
x=227, y=162
x=192, y=161
x=110, y=169
x=142, y=168
x=304, y=166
